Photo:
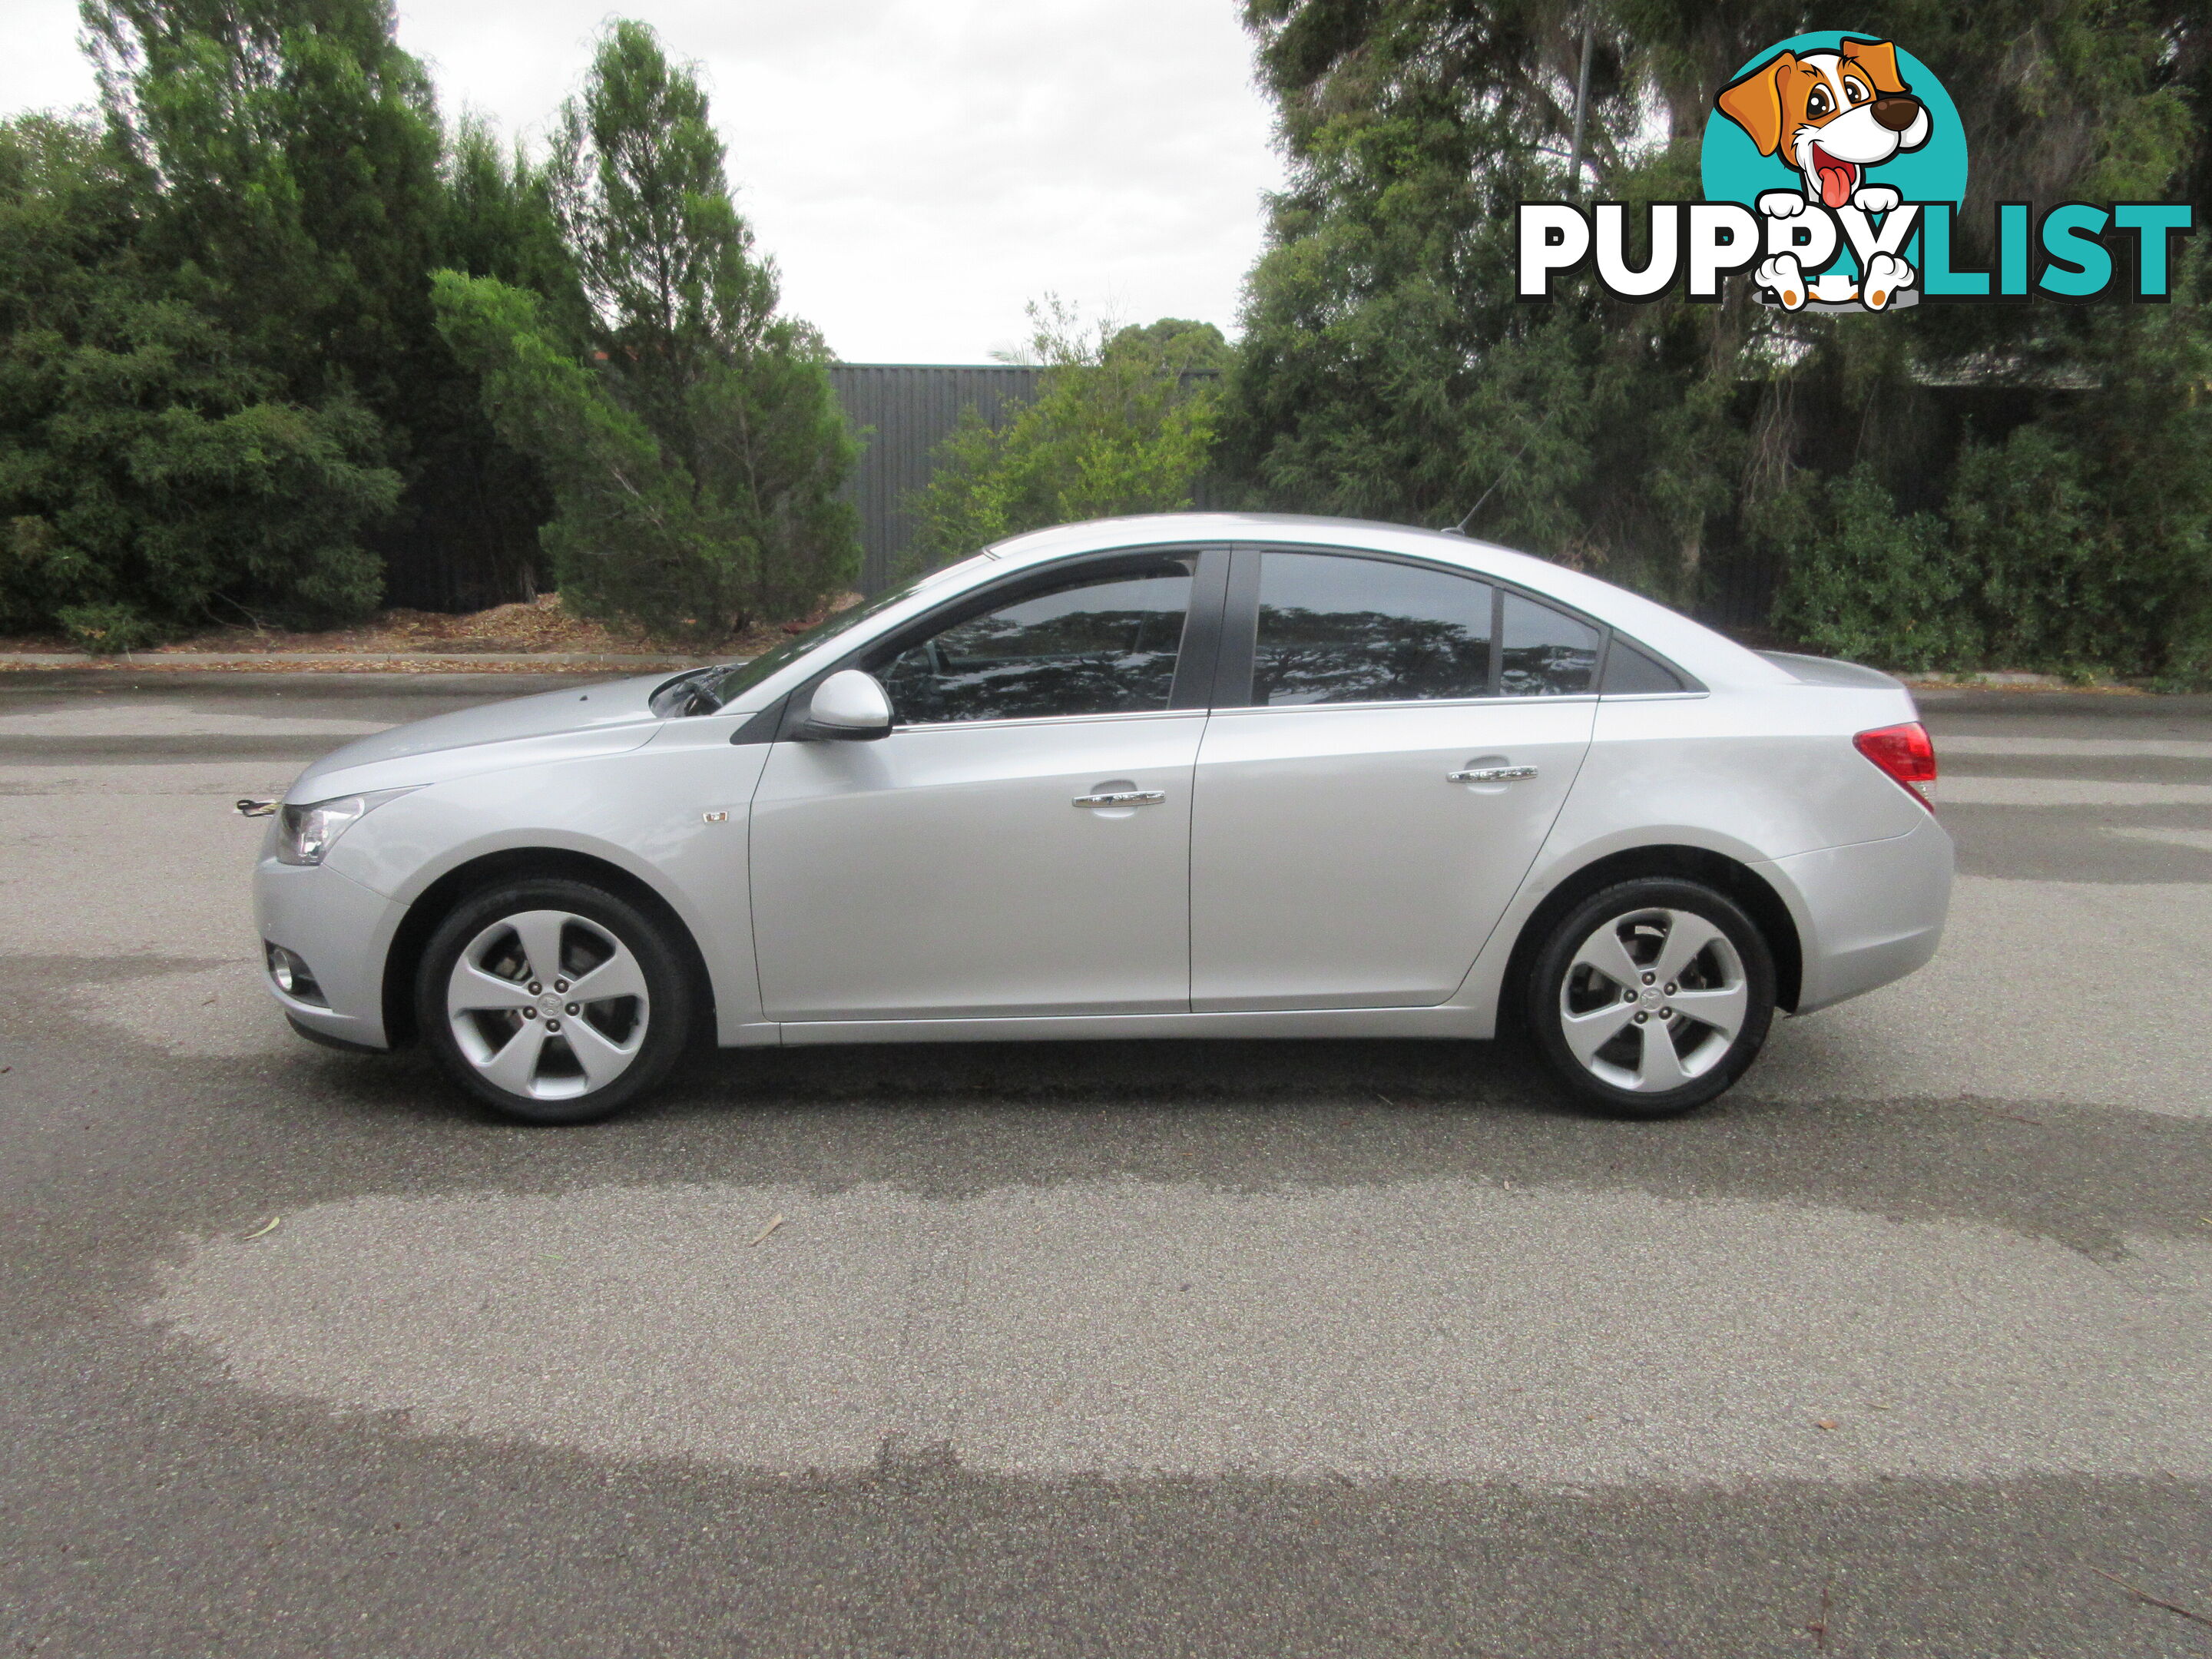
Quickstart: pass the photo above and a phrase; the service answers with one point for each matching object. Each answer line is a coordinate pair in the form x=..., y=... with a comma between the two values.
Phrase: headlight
x=305, y=833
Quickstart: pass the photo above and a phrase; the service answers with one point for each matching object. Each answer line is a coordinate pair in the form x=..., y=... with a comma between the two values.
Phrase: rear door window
x=1334, y=628
x=1547, y=654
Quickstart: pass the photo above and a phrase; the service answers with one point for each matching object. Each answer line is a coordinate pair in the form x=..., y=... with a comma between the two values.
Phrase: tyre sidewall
x=668, y=1025
x=1556, y=957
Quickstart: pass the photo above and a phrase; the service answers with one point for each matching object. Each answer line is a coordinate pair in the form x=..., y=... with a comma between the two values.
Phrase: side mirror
x=849, y=705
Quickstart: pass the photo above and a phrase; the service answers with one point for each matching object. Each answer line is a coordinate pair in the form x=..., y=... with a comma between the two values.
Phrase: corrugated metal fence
x=901, y=412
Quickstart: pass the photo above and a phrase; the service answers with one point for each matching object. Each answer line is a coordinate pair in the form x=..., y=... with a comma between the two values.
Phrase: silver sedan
x=1188, y=776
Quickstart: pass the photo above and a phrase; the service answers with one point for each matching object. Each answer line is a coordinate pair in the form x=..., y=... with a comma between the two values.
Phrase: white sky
x=919, y=169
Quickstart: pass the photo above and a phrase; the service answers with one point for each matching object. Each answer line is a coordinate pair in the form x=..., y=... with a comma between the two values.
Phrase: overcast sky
x=919, y=169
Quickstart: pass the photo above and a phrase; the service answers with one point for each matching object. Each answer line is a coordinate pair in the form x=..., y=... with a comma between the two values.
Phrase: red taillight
x=1907, y=754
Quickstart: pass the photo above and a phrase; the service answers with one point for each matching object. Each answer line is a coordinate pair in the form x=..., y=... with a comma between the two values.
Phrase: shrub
x=1867, y=582
x=107, y=630
x=2039, y=589
x=1119, y=425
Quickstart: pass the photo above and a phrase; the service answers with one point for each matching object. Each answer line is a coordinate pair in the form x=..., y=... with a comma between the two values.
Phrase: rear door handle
x=1124, y=798
x=1492, y=774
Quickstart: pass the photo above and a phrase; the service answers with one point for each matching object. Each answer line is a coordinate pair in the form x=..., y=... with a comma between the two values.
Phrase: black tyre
x=553, y=1001
x=1651, y=996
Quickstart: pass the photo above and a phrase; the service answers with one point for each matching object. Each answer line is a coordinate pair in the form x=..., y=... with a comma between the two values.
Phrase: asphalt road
x=1338, y=1349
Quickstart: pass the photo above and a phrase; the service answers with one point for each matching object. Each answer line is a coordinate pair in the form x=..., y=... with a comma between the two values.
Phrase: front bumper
x=342, y=932
x=1869, y=913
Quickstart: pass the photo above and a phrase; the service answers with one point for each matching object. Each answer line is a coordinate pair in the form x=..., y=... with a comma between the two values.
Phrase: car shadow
x=1383, y=1072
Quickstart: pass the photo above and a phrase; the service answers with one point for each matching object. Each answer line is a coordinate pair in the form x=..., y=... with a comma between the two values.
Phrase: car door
x=1019, y=843
x=1366, y=814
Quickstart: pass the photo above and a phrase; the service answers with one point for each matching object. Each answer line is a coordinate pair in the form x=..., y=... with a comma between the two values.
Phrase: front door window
x=1019, y=844
x=1091, y=645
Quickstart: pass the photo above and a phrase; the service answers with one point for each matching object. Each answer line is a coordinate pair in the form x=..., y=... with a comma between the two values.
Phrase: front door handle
x=1124, y=798
x=1492, y=774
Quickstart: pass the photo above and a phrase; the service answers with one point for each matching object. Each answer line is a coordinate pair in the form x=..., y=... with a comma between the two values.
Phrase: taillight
x=1907, y=754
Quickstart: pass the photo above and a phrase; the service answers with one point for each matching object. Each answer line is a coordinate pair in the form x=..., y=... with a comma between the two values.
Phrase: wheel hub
x=533, y=1032
x=1653, y=999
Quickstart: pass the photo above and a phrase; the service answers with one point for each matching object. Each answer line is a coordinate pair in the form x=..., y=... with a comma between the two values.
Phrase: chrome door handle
x=1124, y=798
x=1491, y=774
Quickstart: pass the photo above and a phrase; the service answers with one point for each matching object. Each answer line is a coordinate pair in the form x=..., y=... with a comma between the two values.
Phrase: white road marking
x=1439, y=1328
x=2082, y=992
x=2077, y=748
x=2201, y=840
x=148, y=865
x=1956, y=790
x=172, y=781
x=102, y=719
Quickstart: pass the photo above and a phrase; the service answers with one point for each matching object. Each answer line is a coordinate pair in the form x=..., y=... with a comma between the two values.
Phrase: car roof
x=1711, y=656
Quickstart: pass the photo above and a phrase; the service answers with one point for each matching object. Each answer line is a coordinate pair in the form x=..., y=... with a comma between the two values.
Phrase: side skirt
x=1448, y=1021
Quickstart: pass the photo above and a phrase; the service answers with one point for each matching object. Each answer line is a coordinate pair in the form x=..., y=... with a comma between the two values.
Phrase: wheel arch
x=438, y=901
x=1732, y=877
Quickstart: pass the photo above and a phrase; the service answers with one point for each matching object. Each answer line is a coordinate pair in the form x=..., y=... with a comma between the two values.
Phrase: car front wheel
x=1652, y=997
x=553, y=1001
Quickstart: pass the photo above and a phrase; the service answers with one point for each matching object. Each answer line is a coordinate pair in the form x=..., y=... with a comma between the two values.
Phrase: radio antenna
x=1460, y=529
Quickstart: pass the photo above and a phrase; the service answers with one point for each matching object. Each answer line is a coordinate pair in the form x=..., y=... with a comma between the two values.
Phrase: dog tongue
x=1836, y=185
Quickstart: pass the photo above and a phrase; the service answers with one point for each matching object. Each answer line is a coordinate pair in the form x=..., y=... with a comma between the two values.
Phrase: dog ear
x=1879, y=59
x=1754, y=102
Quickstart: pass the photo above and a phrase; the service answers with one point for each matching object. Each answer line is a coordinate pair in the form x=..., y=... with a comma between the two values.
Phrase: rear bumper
x=344, y=932
x=1867, y=914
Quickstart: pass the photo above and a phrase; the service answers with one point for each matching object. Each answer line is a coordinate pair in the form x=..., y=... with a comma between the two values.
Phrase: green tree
x=695, y=461
x=1386, y=370
x=152, y=475
x=1387, y=367
x=476, y=489
x=1123, y=421
x=292, y=166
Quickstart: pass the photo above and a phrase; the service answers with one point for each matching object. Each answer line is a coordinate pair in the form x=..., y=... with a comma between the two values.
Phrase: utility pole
x=1581, y=102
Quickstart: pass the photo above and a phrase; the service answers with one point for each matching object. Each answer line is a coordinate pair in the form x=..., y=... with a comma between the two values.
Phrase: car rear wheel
x=1652, y=997
x=553, y=1001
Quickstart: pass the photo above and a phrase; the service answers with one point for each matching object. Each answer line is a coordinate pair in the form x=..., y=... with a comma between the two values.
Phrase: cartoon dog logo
x=1833, y=115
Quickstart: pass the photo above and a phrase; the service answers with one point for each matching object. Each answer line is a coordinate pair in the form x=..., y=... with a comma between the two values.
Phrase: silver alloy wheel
x=1654, y=998
x=547, y=1004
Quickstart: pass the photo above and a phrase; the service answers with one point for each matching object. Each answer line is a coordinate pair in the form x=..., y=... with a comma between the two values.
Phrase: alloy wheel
x=548, y=1005
x=1653, y=999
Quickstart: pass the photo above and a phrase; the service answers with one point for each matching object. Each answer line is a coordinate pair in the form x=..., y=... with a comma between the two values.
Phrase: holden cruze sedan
x=1189, y=776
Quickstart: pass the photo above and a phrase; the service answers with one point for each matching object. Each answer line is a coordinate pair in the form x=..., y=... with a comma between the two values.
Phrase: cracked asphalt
x=1189, y=1349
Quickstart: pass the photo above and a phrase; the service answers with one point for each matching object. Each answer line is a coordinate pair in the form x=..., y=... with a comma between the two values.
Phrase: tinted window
x=1335, y=629
x=711, y=688
x=1547, y=654
x=1628, y=671
x=1093, y=645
